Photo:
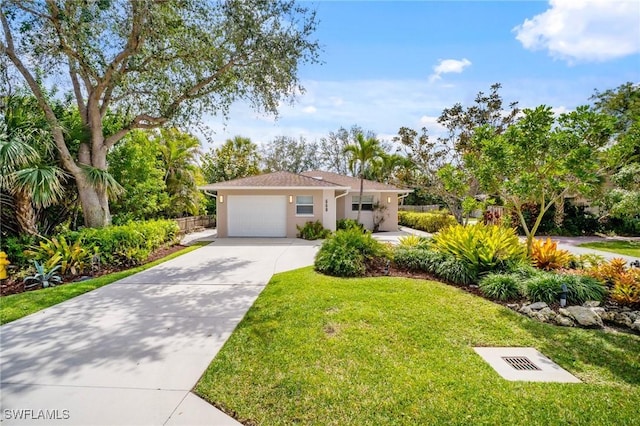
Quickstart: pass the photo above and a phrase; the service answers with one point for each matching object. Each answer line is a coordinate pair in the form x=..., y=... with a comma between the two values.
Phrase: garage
x=257, y=216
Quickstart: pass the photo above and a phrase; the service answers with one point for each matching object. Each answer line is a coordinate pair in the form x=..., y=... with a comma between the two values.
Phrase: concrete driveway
x=129, y=353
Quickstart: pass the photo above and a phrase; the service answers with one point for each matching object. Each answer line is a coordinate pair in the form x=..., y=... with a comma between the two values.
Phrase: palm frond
x=43, y=183
x=15, y=151
x=102, y=179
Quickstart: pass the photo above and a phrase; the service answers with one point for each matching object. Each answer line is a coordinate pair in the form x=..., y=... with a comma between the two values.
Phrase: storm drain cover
x=525, y=364
x=520, y=362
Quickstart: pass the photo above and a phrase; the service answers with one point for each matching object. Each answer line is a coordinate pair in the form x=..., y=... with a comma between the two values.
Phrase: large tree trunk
x=25, y=213
x=95, y=204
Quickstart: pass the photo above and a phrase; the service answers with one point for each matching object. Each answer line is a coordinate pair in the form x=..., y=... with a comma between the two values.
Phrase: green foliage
x=135, y=165
x=587, y=260
x=73, y=258
x=413, y=241
x=540, y=159
x=441, y=265
x=483, y=248
x=312, y=231
x=347, y=252
x=236, y=158
x=501, y=286
x=347, y=224
x=427, y=222
x=285, y=153
x=129, y=244
x=546, y=287
x=44, y=277
x=14, y=248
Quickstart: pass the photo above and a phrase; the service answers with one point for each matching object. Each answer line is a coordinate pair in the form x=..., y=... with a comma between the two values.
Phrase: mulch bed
x=15, y=285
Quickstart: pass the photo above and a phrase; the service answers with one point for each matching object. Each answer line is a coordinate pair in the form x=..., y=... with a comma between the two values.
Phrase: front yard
x=628, y=248
x=322, y=350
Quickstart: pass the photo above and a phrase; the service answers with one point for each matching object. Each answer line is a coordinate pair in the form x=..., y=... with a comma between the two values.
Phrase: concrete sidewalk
x=129, y=353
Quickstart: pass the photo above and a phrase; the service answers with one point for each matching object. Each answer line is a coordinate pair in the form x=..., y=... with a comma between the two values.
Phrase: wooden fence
x=193, y=223
x=421, y=209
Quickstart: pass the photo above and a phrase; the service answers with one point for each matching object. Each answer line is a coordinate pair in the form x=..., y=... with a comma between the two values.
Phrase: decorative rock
x=598, y=310
x=538, y=305
x=591, y=304
x=547, y=312
x=564, y=312
x=636, y=325
x=564, y=321
x=585, y=316
x=525, y=310
x=607, y=316
x=622, y=319
x=514, y=306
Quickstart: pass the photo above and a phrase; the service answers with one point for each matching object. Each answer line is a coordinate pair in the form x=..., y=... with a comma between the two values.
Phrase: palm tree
x=178, y=153
x=27, y=169
x=362, y=153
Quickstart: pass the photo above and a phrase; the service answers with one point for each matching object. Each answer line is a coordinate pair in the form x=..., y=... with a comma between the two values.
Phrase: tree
x=178, y=153
x=540, y=159
x=623, y=156
x=27, y=169
x=135, y=164
x=236, y=158
x=361, y=153
x=453, y=182
x=331, y=148
x=154, y=62
x=288, y=154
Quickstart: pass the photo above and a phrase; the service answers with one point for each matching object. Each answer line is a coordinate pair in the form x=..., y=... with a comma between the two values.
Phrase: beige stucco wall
x=389, y=213
x=342, y=209
x=292, y=219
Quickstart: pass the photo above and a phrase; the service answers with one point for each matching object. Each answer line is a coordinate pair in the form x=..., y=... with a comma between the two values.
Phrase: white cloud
x=584, y=30
x=309, y=109
x=446, y=66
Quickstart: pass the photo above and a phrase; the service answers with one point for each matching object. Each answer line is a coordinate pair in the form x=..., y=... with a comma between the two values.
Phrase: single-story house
x=273, y=204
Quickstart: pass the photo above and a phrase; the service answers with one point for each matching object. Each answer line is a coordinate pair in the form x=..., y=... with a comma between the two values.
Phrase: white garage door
x=257, y=216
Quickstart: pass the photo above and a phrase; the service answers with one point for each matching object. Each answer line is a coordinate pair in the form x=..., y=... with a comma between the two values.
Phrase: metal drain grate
x=520, y=363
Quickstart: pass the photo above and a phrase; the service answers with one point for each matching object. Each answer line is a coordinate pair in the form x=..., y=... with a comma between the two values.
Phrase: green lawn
x=628, y=248
x=20, y=305
x=388, y=351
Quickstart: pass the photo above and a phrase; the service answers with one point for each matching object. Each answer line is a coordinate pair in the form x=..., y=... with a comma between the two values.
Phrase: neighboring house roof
x=276, y=180
x=353, y=182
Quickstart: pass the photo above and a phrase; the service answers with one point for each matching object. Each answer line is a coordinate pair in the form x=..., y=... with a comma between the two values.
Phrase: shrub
x=427, y=222
x=347, y=253
x=501, y=286
x=626, y=288
x=346, y=224
x=442, y=265
x=14, y=248
x=312, y=231
x=129, y=244
x=547, y=256
x=586, y=261
x=608, y=272
x=44, y=277
x=546, y=287
x=484, y=248
x=72, y=258
x=413, y=241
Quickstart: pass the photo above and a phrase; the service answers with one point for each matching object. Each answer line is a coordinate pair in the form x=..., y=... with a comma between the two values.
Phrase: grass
x=628, y=248
x=332, y=351
x=16, y=306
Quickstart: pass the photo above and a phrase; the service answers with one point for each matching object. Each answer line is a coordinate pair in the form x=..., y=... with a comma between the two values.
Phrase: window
x=304, y=205
x=367, y=203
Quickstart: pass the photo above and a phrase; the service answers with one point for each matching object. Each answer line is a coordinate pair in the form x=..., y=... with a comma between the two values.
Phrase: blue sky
x=392, y=64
